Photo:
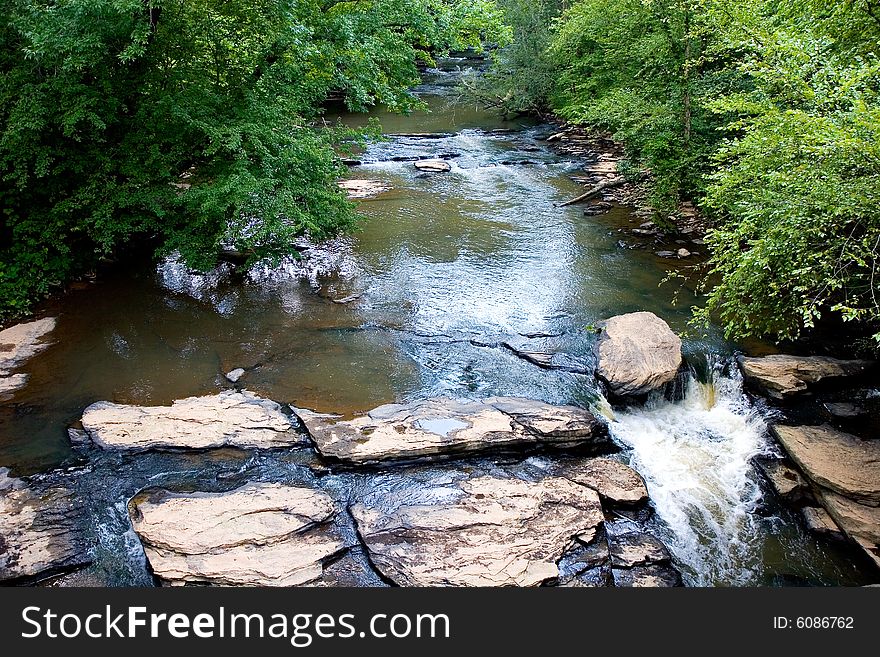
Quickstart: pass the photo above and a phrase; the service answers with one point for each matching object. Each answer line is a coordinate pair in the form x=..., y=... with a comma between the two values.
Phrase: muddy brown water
x=416, y=303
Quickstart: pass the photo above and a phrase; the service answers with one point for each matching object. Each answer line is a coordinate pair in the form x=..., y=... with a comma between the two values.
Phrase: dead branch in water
x=594, y=191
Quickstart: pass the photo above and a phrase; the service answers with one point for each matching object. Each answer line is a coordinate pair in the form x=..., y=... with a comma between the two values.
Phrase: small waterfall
x=695, y=455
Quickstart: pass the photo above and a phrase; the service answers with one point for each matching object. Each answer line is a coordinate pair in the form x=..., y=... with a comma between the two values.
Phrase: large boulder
x=43, y=530
x=17, y=344
x=443, y=427
x=485, y=531
x=638, y=354
x=256, y=535
x=780, y=376
x=835, y=460
x=229, y=419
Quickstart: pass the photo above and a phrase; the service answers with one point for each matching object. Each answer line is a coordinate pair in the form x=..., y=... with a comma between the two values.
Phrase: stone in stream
x=43, y=530
x=835, y=460
x=433, y=166
x=617, y=483
x=362, y=189
x=859, y=521
x=546, y=357
x=256, y=535
x=445, y=427
x=638, y=354
x=780, y=376
x=786, y=481
x=234, y=375
x=17, y=344
x=819, y=521
x=230, y=419
x=485, y=531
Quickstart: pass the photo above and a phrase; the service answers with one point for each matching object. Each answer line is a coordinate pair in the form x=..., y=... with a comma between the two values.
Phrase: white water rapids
x=695, y=455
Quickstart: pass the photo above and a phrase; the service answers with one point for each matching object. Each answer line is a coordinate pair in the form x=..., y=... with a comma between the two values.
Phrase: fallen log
x=594, y=191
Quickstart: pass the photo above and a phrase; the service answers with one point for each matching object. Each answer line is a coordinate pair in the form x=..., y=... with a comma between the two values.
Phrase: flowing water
x=417, y=303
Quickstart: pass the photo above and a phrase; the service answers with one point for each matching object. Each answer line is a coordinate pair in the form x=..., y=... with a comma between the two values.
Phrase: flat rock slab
x=229, y=419
x=361, y=189
x=256, y=535
x=442, y=427
x=617, y=483
x=637, y=549
x=43, y=531
x=786, y=481
x=433, y=166
x=638, y=354
x=780, y=376
x=819, y=521
x=485, y=531
x=835, y=460
x=861, y=523
x=17, y=344
x=653, y=576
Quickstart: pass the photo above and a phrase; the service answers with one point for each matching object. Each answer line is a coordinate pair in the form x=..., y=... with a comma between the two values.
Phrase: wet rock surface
x=256, y=535
x=229, y=419
x=444, y=427
x=845, y=472
x=433, y=166
x=42, y=530
x=363, y=189
x=484, y=531
x=835, y=460
x=638, y=354
x=780, y=376
x=17, y=344
x=617, y=483
x=786, y=481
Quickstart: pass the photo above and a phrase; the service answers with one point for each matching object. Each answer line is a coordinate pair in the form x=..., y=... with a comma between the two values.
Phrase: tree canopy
x=192, y=124
x=764, y=113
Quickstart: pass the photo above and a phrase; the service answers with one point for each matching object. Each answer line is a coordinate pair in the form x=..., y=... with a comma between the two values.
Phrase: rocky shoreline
x=554, y=523
x=474, y=526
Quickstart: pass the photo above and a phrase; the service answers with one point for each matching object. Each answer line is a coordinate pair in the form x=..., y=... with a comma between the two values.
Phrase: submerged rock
x=42, y=530
x=443, y=427
x=434, y=166
x=230, y=419
x=256, y=535
x=547, y=358
x=835, y=460
x=638, y=354
x=780, y=376
x=17, y=344
x=485, y=531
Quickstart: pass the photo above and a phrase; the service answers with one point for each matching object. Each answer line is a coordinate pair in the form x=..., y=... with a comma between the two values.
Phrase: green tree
x=795, y=191
x=192, y=123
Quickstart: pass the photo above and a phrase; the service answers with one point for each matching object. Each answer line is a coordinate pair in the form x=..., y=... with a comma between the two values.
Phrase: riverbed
x=418, y=302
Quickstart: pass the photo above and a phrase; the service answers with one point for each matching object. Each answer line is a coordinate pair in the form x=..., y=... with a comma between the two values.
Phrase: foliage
x=192, y=123
x=523, y=73
x=796, y=185
x=764, y=113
